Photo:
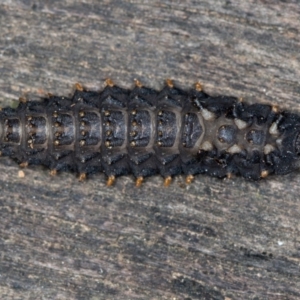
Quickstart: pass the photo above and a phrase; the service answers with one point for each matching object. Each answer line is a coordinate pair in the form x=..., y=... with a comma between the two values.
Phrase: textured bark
x=214, y=239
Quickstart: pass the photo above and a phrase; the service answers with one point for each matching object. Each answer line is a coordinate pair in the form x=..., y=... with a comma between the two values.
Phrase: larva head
x=286, y=130
x=297, y=144
x=295, y=152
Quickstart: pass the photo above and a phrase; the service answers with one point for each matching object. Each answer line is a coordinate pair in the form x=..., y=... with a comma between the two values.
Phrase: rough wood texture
x=215, y=239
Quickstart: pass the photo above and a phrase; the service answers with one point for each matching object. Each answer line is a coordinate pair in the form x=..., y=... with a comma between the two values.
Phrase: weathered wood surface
x=215, y=239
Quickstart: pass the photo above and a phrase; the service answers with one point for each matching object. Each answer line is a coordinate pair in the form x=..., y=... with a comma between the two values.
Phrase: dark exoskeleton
x=145, y=132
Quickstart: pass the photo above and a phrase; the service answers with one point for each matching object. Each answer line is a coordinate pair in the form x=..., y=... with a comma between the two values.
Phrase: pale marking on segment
x=234, y=149
x=274, y=129
x=207, y=146
x=240, y=124
x=268, y=149
x=208, y=115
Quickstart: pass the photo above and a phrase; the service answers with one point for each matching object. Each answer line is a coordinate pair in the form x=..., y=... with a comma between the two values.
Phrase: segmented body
x=144, y=132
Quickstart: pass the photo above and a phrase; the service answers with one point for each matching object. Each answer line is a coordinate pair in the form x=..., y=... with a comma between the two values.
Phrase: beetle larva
x=145, y=132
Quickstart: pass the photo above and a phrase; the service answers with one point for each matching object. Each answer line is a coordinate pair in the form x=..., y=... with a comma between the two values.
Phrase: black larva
x=144, y=132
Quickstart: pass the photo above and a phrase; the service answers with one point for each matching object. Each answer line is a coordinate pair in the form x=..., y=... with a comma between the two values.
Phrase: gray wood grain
x=214, y=239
